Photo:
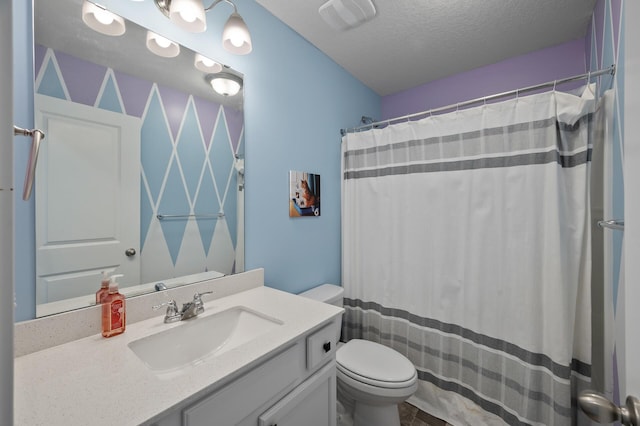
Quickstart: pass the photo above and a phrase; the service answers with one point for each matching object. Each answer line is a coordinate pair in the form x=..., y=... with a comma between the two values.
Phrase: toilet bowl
x=372, y=379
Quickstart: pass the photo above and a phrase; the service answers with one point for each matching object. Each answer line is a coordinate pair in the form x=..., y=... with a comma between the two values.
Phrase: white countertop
x=97, y=381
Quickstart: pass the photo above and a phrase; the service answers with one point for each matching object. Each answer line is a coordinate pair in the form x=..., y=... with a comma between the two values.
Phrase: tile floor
x=412, y=416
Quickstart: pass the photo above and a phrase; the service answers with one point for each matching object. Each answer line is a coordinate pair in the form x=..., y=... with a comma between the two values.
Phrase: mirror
x=141, y=172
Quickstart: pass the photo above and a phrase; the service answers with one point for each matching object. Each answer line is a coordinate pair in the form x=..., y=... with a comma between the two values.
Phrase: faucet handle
x=197, y=301
x=172, y=313
x=198, y=296
x=169, y=304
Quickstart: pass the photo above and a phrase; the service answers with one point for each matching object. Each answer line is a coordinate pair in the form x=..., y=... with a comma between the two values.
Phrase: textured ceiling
x=411, y=42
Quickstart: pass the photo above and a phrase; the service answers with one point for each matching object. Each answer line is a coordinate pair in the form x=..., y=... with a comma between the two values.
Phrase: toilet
x=372, y=379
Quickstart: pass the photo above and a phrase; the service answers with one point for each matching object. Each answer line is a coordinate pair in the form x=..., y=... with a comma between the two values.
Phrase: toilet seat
x=375, y=365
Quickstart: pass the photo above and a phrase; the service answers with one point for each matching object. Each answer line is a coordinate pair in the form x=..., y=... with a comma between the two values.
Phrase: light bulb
x=162, y=42
x=99, y=19
x=162, y=46
x=189, y=14
x=104, y=16
x=207, y=65
x=236, y=39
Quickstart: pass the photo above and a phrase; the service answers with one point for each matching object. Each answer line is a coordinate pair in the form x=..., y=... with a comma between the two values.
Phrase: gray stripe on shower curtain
x=538, y=359
x=498, y=143
x=462, y=361
x=480, y=163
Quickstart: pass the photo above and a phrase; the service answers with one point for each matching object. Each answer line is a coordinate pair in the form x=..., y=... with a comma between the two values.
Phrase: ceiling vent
x=345, y=14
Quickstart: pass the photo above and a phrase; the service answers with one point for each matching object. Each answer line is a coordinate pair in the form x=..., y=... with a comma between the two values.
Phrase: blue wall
x=605, y=46
x=297, y=100
x=23, y=215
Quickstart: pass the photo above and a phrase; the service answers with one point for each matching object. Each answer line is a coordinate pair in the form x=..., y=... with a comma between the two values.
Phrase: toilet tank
x=327, y=293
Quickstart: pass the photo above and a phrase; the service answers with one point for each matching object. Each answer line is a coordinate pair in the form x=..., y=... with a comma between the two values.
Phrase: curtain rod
x=611, y=70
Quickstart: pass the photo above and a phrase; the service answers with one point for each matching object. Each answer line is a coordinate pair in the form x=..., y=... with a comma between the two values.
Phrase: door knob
x=130, y=252
x=601, y=410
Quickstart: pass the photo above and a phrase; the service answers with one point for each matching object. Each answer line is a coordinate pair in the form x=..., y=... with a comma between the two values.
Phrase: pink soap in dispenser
x=104, y=287
x=113, y=310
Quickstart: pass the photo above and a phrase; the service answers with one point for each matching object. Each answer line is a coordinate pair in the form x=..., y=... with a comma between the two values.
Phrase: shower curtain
x=466, y=247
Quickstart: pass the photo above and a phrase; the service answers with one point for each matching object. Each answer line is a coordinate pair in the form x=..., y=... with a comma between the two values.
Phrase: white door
x=87, y=193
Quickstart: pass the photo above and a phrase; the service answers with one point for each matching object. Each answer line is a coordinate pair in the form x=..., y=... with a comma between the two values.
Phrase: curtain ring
x=517, y=94
x=555, y=82
x=457, y=107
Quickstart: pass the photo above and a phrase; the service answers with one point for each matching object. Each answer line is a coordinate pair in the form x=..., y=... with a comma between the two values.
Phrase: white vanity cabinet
x=293, y=387
x=313, y=403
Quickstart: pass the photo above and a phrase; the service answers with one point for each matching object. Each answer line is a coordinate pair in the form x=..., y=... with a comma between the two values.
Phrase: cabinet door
x=239, y=399
x=313, y=403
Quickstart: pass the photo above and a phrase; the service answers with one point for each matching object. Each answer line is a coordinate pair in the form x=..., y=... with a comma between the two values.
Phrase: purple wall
x=541, y=66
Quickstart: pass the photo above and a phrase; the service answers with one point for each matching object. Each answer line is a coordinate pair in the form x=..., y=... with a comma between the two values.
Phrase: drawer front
x=321, y=345
x=237, y=400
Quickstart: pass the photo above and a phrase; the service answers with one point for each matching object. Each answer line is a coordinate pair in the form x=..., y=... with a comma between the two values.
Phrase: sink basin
x=192, y=341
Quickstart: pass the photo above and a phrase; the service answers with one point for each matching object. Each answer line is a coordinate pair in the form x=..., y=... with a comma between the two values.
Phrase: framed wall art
x=304, y=194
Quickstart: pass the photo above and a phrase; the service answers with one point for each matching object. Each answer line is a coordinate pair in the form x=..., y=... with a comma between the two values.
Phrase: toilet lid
x=375, y=364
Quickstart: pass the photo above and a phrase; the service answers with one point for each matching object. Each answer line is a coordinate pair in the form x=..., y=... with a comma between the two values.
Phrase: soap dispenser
x=113, y=310
x=104, y=287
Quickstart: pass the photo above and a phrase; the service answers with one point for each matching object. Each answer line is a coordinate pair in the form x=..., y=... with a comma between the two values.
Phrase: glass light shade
x=101, y=20
x=162, y=46
x=235, y=36
x=204, y=64
x=188, y=15
x=225, y=84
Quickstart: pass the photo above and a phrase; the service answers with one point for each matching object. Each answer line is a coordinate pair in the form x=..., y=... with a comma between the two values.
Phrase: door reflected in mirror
x=142, y=170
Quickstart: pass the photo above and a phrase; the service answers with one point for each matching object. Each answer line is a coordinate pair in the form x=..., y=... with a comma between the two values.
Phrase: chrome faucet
x=189, y=309
x=195, y=307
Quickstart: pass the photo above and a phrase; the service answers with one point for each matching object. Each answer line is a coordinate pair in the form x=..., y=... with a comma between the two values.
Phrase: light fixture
x=205, y=64
x=190, y=15
x=235, y=35
x=101, y=20
x=162, y=46
x=224, y=83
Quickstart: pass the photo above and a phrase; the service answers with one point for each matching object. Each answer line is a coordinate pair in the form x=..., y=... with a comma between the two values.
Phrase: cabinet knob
x=327, y=346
